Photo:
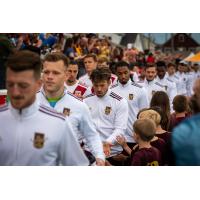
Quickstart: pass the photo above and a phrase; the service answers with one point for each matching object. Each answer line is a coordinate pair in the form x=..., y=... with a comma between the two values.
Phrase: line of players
x=100, y=107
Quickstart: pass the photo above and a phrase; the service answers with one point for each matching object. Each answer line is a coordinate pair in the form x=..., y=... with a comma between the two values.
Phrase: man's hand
x=121, y=140
x=106, y=148
x=100, y=162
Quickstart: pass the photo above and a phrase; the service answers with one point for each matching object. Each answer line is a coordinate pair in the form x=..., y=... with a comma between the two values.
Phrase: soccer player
x=53, y=94
x=135, y=95
x=150, y=83
x=72, y=84
x=109, y=112
x=32, y=134
x=90, y=62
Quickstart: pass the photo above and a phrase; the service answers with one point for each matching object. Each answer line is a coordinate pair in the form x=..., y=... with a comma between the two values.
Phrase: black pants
x=90, y=157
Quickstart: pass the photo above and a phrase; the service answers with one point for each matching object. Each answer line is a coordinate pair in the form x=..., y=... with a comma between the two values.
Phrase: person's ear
x=135, y=136
x=109, y=82
x=39, y=84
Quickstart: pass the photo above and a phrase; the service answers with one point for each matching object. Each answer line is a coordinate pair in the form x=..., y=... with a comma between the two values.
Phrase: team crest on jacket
x=131, y=96
x=78, y=93
x=108, y=110
x=66, y=111
x=38, y=140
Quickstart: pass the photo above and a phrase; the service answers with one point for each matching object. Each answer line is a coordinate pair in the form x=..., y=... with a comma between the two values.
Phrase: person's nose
x=50, y=76
x=15, y=91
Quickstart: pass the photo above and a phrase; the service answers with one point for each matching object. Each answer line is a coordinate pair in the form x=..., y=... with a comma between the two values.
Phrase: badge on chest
x=130, y=96
x=66, y=111
x=39, y=140
x=108, y=110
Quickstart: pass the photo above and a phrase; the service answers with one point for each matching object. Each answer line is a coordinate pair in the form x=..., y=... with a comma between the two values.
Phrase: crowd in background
x=165, y=109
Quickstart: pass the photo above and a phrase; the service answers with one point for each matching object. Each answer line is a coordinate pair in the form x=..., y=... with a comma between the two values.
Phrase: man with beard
x=109, y=113
x=170, y=86
x=135, y=95
x=32, y=134
x=150, y=83
x=72, y=84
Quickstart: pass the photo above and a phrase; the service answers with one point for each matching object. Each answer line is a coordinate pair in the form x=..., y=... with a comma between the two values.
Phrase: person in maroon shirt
x=142, y=154
x=159, y=144
x=155, y=113
x=146, y=155
x=180, y=106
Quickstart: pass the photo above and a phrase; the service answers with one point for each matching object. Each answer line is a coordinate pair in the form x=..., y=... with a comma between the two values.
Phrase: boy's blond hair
x=151, y=114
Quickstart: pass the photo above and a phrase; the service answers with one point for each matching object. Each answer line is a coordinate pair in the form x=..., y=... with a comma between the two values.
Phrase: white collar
x=149, y=82
x=125, y=85
x=106, y=95
x=25, y=112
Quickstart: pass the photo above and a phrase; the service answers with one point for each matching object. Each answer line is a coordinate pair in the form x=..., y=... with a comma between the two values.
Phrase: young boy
x=145, y=154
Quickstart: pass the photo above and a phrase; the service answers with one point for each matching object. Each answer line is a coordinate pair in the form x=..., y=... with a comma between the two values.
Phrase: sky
x=160, y=38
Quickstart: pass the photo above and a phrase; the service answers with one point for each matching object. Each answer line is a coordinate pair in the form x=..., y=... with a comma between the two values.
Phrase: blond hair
x=151, y=114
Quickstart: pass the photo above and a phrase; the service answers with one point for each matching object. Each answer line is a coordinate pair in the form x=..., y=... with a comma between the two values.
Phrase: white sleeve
x=91, y=135
x=189, y=85
x=120, y=122
x=70, y=152
x=172, y=91
x=143, y=101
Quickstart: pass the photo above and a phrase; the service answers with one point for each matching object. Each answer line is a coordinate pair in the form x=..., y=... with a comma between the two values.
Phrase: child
x=180, y=106
x=155, y=113
x=145, y=154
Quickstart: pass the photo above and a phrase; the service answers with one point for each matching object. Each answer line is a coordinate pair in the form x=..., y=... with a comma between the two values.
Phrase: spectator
x=6, y=49
x=186, y=136
x=161, y=100
x=145, y=154
x=180, y=106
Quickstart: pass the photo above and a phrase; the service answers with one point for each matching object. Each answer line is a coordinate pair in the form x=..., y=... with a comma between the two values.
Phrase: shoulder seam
x=137, y=85
x=74, y=96
x=89, y=95
x=113, y=95
x=4, y=109
x=159, y=84
x=113, y=86
x=176, y=77
x=48, y=112
x=52, y=110
x=169, y=80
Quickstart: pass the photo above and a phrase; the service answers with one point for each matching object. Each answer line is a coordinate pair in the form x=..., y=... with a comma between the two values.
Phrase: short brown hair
x=25, y=60
x=57, y=56
x=91, y=55
x=101, y=74
x=171, y=65
x=180, y=103
x=150, y=65
x=145, y=128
